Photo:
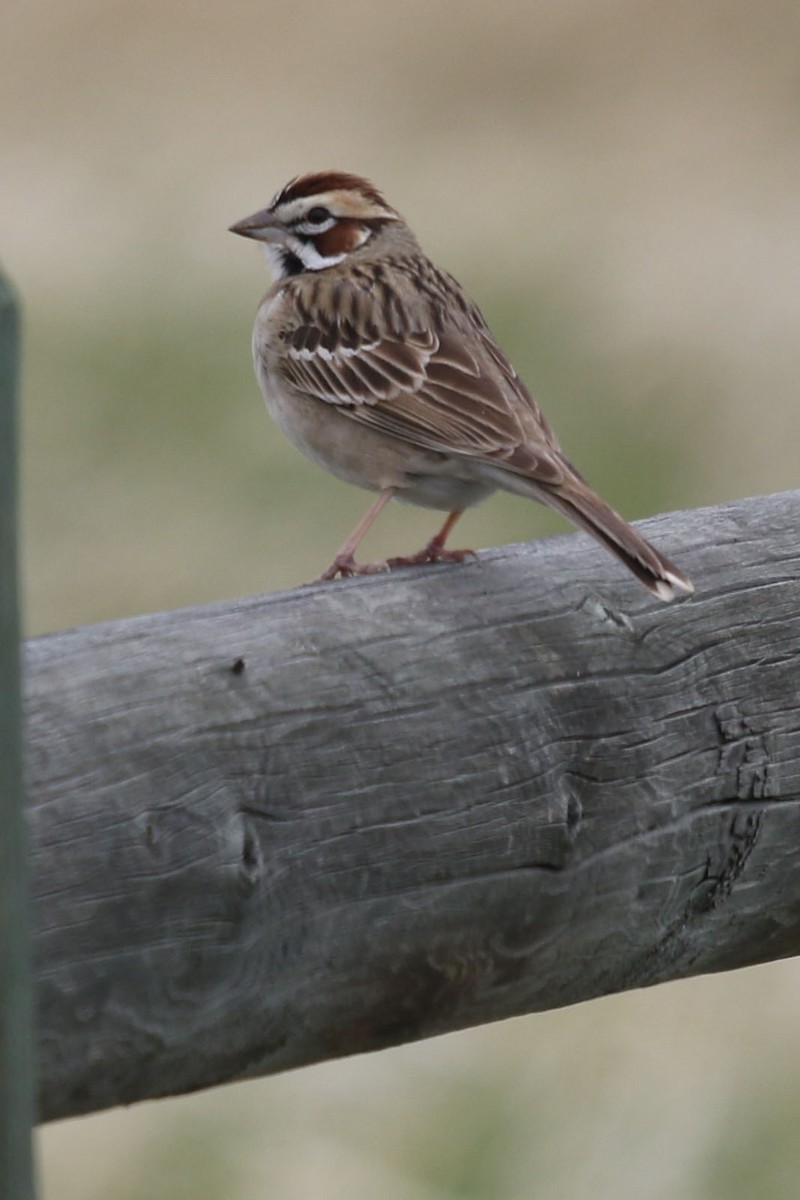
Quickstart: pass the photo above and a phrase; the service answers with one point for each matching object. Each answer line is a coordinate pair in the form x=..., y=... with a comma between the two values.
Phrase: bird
x=377, y=365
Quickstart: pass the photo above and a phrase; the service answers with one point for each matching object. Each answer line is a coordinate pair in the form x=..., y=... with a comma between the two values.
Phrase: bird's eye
x=317, y=215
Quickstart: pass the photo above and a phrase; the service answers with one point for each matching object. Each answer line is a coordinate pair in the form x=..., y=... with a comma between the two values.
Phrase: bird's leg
x=345, y=564
x=434, y=551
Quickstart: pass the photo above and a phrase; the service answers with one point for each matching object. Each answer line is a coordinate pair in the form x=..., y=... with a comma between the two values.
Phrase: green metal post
x=17, y=1072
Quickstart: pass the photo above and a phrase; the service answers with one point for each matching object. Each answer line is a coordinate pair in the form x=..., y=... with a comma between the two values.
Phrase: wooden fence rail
x=277, y=830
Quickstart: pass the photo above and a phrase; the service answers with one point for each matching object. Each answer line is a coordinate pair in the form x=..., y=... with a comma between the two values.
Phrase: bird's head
x=316, y=221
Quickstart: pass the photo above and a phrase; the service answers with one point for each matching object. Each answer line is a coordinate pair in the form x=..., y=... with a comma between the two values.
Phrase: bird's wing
x=448, y=388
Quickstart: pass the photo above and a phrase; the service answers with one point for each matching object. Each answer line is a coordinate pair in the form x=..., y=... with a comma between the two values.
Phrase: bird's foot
x=434, y=552
x=344, y=566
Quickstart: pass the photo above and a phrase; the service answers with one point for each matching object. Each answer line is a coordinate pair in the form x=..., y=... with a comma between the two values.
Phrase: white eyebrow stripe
x=295, y=210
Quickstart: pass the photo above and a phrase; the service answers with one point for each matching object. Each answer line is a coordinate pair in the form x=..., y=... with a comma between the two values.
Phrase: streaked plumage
x=376, y=364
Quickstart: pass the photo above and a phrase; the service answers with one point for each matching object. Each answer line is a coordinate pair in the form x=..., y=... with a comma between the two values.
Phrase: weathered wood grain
x=304, y=825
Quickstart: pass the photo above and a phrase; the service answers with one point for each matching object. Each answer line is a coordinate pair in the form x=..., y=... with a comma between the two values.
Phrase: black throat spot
x=291, y=264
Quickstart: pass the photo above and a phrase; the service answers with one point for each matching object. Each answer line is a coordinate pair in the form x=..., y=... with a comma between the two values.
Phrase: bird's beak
x=263, y=226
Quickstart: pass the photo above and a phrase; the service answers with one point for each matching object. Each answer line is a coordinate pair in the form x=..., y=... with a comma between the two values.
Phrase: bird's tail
x=576, y=500
x=573, y=497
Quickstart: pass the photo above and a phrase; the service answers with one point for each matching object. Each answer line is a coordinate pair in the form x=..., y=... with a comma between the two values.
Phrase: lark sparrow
x=378, y=366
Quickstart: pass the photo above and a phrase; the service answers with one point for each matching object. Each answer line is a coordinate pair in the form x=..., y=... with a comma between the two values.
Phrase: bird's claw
x=430, y=554
x=344, y=566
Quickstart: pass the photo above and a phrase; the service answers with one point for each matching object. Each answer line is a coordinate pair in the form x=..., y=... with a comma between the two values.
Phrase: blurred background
x=617, y=183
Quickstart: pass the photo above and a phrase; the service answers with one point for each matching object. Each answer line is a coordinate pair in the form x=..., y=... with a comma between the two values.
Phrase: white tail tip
x=670, y=587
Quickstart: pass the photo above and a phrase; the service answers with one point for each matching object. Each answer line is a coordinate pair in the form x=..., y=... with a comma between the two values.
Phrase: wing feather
x=426, y=385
